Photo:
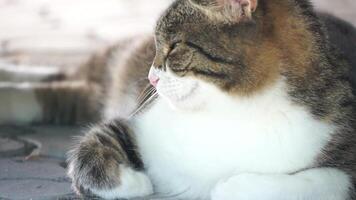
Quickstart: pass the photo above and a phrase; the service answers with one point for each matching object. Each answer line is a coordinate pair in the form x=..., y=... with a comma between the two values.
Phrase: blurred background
x=65, y=33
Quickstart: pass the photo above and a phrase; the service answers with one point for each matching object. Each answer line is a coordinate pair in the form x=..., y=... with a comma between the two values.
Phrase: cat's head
x=208, y=47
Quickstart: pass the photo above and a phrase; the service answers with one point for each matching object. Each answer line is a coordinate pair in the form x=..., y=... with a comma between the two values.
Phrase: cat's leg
x=67, y=102
x=106, y=162
x=313, y=184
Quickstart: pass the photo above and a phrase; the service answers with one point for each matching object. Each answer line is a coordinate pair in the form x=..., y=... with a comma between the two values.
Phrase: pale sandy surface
x=64, y=33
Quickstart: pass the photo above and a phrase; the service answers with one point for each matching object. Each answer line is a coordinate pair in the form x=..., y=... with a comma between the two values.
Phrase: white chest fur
x=189, y=152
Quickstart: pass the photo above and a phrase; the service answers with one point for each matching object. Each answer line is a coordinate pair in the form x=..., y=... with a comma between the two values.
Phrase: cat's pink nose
x=153, y=78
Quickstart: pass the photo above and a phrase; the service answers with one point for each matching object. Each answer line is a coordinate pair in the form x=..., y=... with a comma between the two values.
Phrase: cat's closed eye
x=175, y=44
x=179, y=57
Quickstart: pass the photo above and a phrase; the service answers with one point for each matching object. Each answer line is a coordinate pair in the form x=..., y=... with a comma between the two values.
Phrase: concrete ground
x=64, y=33
x=32, y=162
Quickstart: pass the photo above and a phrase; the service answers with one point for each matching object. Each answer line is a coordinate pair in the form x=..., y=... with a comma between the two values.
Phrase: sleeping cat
x=248, y=101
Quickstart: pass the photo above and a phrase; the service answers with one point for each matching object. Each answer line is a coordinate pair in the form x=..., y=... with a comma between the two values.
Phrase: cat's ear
x=248, y=6
x=231, y=10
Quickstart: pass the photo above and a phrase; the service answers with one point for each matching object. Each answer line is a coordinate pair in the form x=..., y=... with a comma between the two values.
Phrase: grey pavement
x=32, y=162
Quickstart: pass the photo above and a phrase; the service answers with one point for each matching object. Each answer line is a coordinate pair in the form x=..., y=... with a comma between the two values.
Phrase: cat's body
x=265, y=134
x=250, y=106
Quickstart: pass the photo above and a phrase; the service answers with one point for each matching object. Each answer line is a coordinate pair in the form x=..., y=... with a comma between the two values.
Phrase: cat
x=248, y=100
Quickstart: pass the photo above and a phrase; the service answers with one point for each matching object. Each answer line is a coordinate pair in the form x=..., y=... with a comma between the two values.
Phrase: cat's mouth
x=179, y=92
x=176, y=91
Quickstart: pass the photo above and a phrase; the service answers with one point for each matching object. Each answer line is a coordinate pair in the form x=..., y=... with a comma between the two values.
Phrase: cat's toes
x=100, y=168
x=133, y=184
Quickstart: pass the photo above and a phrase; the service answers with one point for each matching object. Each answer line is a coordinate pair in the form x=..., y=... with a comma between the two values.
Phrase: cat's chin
x=187, y=101
x=181, y=93
x=185, y=106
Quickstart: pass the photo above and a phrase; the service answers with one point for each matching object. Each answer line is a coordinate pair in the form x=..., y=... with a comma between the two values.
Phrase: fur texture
x=252, y=104
x=227, y=137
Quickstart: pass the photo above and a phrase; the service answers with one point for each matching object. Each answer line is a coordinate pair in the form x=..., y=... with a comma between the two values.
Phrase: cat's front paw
x=247, y=187
x=132, y=184
x=96, y=165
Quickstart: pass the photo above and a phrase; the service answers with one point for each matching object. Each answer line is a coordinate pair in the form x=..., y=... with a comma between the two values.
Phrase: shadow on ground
x=32, y=161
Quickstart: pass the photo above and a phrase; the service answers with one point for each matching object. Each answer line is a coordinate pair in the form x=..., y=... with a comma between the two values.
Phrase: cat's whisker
x=146, y=92
x=147, y=89
x=144, y=104
x=146, y=96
